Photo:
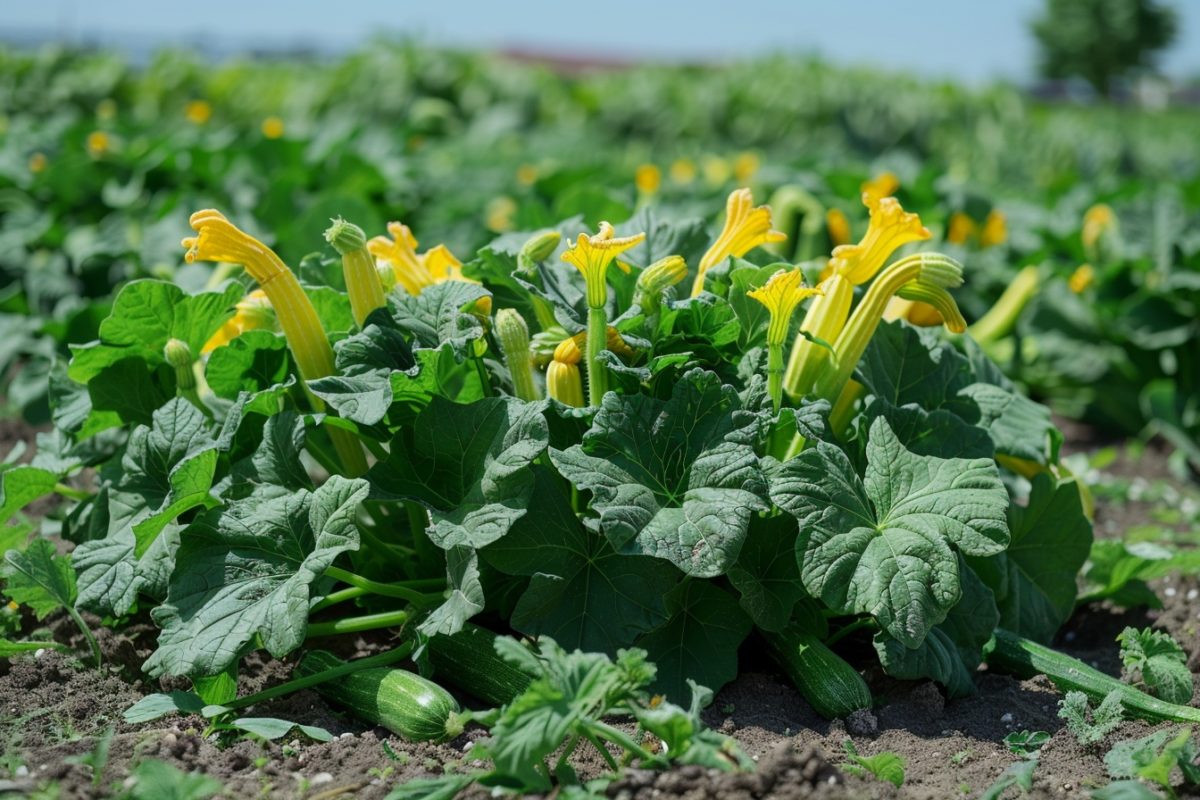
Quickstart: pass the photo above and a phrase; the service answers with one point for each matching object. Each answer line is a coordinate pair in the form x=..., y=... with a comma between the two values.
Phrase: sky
x=972, y=40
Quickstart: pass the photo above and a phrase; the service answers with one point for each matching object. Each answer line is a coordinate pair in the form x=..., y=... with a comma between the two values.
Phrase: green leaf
x=156, y=706
x=39, y=578
x=766, y=573
x=468, y=464
x=249, y=570
x=1017, y=776
x=884, y=766
x=436, y=317
x=9, y=648
x=254, y=361
x=1159, y=661
x=131, y=389
x=1125, y=790
x=332, y=307
x=146, y=313
x=700, y=640
x=953, y=650
x=1034, y=580
x=1155, y=757
x=884, y=544
x=581, y=592
x=111, y=575
x=676, y=479
x=270, y=728
x=1091, y=725
x=466, y=594
x=20, y=486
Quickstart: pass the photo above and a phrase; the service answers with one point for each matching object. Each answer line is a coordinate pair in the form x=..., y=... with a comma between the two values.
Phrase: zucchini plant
x=550, y=438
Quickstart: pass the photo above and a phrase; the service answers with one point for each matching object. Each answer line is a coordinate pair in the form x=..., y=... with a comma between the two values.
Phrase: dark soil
x=53, y=711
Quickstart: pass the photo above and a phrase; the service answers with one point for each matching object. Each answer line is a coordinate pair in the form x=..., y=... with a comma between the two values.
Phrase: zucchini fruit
x=829, y=684
x=401, y=701
x=468, y=661
x=1025, y=658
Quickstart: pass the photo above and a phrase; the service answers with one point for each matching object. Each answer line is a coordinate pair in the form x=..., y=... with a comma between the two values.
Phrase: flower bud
x=544, y=343
x=346, y=237
x=538, y=248
x=661, y=275
x=564, y=383
x=513, y=335
x=177, y=353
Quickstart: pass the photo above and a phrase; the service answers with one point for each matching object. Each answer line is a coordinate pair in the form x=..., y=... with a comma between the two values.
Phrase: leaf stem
x=843, y=632
x=87, y=634
x=367, y=622
x=295, y=685
x=71, y=492
x=418, y=521
x=619, y=737
x=341, y=596
x=400, y=589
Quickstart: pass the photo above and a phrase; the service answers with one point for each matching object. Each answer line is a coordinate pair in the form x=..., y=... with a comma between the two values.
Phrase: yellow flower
x=890, y=228
x=683, y=170
x=1082, y=278
x=253, y=312
x=746, y=227
x=570, y=349
x=415, y=271
x=442, y=265
x=882, y=185
x=499, y=214
x=12, y=606
x=995, y=229
x=592, y=256
x=1096, y=221
x=960, y=228
x=745, y=166
x=782, y=295
x=527, y=174
x=272, y=127
x=648, y=178
x=716, y=170
x=564, y=383
x=838, y=226
x=198, y=112
x=98, y=143
x=37, y=162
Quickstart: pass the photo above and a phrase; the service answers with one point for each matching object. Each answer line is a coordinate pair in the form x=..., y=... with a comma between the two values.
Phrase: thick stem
x=775, y=374
x=597, y=340
x=71, y=492
x=399, y=590
x=368, y=622
x=362, y=284
x=824, y=320
x=333, y=598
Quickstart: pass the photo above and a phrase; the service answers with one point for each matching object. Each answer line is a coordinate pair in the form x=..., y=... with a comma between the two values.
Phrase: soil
x=54, y=711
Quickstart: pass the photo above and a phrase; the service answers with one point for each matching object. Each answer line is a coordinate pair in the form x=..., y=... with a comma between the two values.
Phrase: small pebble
x=1069, y=636
x=1170, y=591
x=1193, y=594
x=170, y=739
x=1007, y=718
x=21, y=771
x=320, y=778
x=346, y=735
x=41, y=651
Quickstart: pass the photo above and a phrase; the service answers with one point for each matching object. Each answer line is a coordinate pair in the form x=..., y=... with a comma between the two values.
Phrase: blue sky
x=968, y=39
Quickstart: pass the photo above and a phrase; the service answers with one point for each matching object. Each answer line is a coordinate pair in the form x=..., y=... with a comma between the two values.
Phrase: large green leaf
x=111, y=575
x=468, y=464
x=953, y=649
x=436, y=317
x=466, y=594
x=700, y=640
x=39, y=578
x=21, y=485
x=677, y=479
x=1034, y=580
x=246, y=575
x=581, y=592
x=766, y=573
x=884, y=544
x=253, y=361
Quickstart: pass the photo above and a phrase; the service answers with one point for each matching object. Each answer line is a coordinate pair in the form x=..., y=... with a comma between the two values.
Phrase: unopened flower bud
x=346, y=237
x=661, y=275
x=538, y=248
x=564, y=383
x=513, y=335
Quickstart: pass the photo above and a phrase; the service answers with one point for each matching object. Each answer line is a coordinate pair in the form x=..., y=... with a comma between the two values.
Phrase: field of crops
x=426, y=424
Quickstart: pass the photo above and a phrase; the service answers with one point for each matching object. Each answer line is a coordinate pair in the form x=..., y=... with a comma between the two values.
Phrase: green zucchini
x=468, y=661
x=829, y=684
x=1024, y=658
x=401, y=701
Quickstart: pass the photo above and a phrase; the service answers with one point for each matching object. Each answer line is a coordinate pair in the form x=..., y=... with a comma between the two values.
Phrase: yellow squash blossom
x=592, y=256
x=882, y=185
x=1100, y=234
x=838, y=226
x=995, y=229
x=890, y=228
x=415, y=271
x=499, y=214
x=745, y=167
x=217, y=239
x=1082, y=278
x=564, y=383
x=647, y=178
x=781, y=295
x=98, y=143
x=716, y=170
x=37, y=162
x=683, y=170
x=272, y=128
x=746, y=227
x=197, y=112
x=960, y=229
x=527, y=174
x=252, y=312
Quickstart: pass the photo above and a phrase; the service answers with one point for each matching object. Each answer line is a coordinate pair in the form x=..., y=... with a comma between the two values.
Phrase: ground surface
x=53, y=712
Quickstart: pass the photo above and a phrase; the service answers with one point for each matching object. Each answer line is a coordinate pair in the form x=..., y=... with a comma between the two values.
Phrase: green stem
x=399, y=590
x=485, y=380
x=602, y=750
x=597, y=340
x=87, y=634
x=843, y=632
x=775, y=374
x=543, y=313
x=622, y=739
x=378, y=660
x=71, y=492
x=418, y=521
x=367, y=622
x=341, y=596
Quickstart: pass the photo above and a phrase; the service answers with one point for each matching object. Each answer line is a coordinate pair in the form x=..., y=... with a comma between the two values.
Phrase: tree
x=1102, y=40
